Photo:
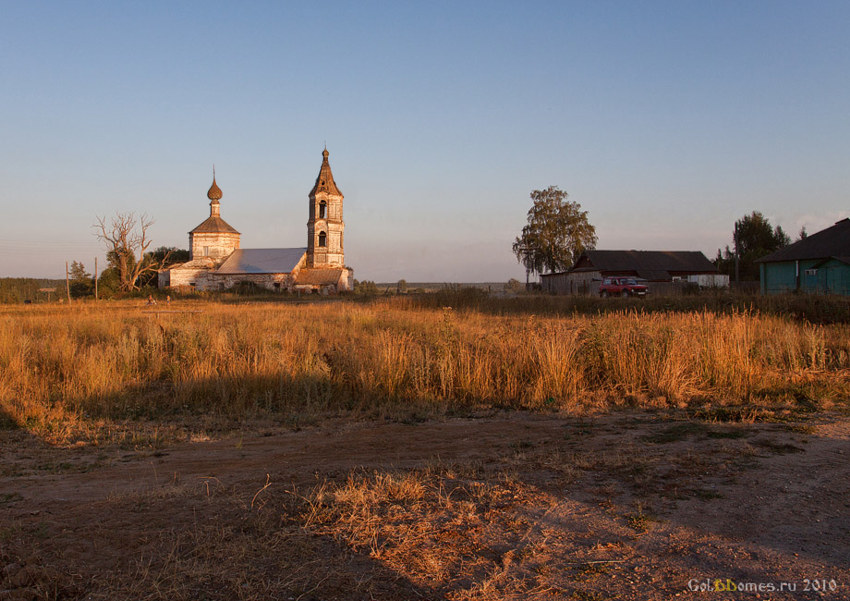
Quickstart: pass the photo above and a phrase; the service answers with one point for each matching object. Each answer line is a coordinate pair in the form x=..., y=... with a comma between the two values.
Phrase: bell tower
x=325, y=227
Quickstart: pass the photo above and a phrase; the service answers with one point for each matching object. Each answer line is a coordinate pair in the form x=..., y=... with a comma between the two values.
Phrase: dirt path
x=512, y=506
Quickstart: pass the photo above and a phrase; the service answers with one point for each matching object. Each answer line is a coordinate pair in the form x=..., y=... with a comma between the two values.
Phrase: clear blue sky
x=666, y=121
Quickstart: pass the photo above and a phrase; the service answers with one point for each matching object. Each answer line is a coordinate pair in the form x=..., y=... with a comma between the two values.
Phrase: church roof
x=319, y=277
x=262, y=260
x=325, y=181
x=194, y=264
x=214, y=225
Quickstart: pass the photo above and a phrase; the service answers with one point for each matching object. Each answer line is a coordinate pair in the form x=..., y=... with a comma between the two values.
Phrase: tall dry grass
x=64, y=367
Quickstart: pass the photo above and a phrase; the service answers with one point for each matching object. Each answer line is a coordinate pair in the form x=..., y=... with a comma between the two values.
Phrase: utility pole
x=67, y=283
x=737, y=254
x=95, y=278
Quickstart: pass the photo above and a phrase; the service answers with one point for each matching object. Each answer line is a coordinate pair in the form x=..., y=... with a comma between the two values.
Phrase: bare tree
x=126, y=239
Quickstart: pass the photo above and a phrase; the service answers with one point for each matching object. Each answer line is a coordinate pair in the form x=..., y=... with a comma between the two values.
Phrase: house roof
x=214, y=225
x=832, y=242
x=262, y=260
x=649, y=264
x=319, y=277
x=325, y=181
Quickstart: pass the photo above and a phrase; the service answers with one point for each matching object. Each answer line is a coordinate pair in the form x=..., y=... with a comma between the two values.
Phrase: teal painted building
x=817, y=264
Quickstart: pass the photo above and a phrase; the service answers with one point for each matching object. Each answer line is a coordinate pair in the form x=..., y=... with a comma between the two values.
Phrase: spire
x=325, y=181
x=214, y=194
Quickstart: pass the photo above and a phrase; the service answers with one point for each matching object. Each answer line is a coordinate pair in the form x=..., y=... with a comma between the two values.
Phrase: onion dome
x=214, y=193
x=214, y=224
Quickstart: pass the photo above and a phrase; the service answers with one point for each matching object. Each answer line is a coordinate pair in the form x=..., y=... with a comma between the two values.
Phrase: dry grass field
x=83, y=373
x=410, y=448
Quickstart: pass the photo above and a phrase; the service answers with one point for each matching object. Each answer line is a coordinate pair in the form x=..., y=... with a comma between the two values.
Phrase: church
x=217, y=263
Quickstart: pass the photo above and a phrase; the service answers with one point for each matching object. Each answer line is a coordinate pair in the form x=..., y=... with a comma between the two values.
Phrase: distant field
x=69, y=373
x=442, y=286
x=18, y=290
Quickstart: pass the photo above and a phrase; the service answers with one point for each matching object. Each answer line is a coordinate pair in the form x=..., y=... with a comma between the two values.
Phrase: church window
x=323, y=239
x=323, y=206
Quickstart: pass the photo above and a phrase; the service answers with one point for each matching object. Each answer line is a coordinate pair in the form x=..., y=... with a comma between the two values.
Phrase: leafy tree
x=109, y=283
x=162, y=257
x=557, y=232
x=127, y=240
x=366, y=287
x=514, y=286
x=166, y=256
x=81, y=282
x=752, y=238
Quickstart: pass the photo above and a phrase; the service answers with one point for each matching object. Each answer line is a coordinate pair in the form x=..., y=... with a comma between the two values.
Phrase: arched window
x=323, y=207
x=323, y=239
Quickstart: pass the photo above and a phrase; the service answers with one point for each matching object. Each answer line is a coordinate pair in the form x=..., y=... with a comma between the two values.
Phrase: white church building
x=217, y=263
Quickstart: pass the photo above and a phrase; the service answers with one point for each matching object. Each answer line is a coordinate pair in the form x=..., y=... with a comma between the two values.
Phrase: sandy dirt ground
x=506, y=506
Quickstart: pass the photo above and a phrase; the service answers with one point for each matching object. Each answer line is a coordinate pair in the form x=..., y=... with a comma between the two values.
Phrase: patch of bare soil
x=512, y=506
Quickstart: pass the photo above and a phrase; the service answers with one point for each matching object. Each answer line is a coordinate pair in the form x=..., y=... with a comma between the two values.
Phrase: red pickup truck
x=624, y=287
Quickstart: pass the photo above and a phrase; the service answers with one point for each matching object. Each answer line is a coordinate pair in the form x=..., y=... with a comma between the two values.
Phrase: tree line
x=753, y=237
x=558, y=231
x=19, y=290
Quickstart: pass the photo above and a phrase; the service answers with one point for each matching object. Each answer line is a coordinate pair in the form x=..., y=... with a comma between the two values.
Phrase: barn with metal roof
x=653, y=266
x=819, y=263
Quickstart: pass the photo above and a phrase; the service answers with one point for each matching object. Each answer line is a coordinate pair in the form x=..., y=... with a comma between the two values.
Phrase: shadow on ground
x=516, y=506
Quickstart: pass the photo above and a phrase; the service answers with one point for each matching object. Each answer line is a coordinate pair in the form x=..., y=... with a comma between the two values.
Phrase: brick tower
x=325, y=226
